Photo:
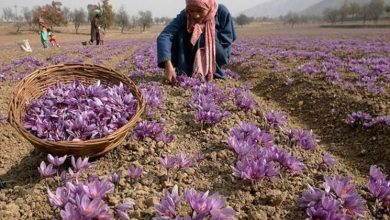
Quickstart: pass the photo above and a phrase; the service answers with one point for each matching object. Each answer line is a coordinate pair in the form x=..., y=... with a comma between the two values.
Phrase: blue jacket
x=174, y=44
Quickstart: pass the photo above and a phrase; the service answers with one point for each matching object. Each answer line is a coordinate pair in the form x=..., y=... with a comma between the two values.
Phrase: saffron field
x=299, y=129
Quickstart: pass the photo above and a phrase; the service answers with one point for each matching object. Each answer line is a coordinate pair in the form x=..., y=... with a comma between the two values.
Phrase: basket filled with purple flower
x=75, y=109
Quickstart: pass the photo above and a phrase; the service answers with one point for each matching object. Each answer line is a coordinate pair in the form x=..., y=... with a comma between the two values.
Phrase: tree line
x=371, y=11
x=349, y=11
x=55, y=15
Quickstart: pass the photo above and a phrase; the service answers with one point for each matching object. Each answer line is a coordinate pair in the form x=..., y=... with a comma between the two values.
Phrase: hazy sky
x=158, y=7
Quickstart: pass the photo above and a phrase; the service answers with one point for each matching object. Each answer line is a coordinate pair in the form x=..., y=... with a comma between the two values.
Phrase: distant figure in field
x=53, y=39
x=95, y=28
x=197, y=42
x=43, y=33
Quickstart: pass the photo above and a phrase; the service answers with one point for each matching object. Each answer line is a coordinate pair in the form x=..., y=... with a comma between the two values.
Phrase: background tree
x=165, y=20
x=122, y=18
x=28, y=16
x=145, y=19
x=354, y=9
x=108, y=16
x=331, y=15
x=133, y=22
x=67, y=13
x=78, y=17
x=18, y=23
x=242, y=20
x=8, y=14
x=375, y=9
x=343, y=12
x=51, y=14
x=364, y=13
x=292, y=18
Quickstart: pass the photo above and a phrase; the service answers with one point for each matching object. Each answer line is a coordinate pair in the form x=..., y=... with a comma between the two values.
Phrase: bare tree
x=18, y=23
x=145, y=19
x=376, y=8
x=364, y=13
x=292, y=18
x=8, y=14
x=354, y=9
x=343, y=12
x=28, y=16
x=134, y=22
x=122, y=18
x=67, y=13
x=331, y=15
x=78, y=17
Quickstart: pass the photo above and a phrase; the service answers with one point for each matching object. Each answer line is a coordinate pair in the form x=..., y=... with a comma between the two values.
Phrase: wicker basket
x=36, y=84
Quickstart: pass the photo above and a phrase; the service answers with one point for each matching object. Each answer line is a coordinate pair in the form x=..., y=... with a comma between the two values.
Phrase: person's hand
x=170, y=72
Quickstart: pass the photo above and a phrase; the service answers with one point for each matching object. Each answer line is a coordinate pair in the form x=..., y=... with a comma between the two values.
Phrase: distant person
x=52, y=38
x=43, y=33
x=95, y=27
x=197, y=42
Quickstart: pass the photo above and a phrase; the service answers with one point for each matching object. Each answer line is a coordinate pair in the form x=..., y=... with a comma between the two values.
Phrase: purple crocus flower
x=122, y=214
x=275, y=119
x=60, y=198
x=379, y=186
x=70, y=212
x=218, y=210
x=46, y=171
x=56, y=161
x=198, y=201
x=89, y=208
x=99, y=189
x=114, y=178
x=153, y=96
x=168, y=162
x=186, y=82
x=154, y=130
x=121, y=209
x=184, y=161
x=286, y=160
x=80, y=164
x=243, y=99
x=255, y=169
x=328, y=160
x=134, y=172
x=168, y=203
x=311, y=197
x=222, y=214
x=359, y=118
x=352, y=201
x=232, y=74
x=305, y=139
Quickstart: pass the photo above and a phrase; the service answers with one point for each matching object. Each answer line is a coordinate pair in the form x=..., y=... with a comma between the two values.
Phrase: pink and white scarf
x=205, y=63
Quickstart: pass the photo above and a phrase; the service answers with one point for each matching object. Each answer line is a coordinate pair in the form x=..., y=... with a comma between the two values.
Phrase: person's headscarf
x=205, y=63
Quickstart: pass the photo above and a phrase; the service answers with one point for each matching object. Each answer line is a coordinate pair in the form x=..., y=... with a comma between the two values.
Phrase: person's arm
x=226, y=34
x=164, y=45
